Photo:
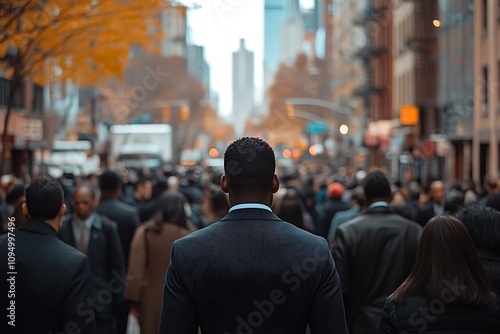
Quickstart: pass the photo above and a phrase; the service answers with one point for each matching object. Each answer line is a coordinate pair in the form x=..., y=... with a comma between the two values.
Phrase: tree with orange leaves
x=80, y=42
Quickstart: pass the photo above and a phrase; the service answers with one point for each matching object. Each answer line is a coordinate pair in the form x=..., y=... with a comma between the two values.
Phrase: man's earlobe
x=24, y=208
x=62, y=210
x=224, y=186
x=276, y=184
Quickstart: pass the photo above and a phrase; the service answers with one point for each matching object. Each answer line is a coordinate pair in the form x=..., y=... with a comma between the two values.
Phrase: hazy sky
x=218, y=25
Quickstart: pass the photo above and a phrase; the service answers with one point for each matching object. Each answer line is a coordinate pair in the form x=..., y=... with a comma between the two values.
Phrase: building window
x=484, y=108
x=485, y=15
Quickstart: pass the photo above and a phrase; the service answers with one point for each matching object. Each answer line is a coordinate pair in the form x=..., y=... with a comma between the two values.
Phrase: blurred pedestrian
x=447, y=290
x=288, y=206
x=52, y=280
x=490, y=187
x=357, y=203
x=399, y=205
x=15, y=198
x=150, y=257
x=332, y=205
x=483, y=224
x=435, y=205
x=215, y=205
x=374, y=253
x=97, y=236
x=127, y=220
x=251, y=272
x=494, y=201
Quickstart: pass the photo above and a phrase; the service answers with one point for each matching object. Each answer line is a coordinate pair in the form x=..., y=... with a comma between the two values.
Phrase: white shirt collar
x=87, y=222
x=250, y=206
x=378, y=205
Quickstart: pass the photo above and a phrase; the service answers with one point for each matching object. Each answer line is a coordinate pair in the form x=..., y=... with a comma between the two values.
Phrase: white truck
x=141, y=145
x=75, y=157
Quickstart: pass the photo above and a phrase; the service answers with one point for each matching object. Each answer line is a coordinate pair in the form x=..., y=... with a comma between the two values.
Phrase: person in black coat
x=447, y=291
x=251, y=272
x=50, y=283
x=483, y=224
x=97, y=237
x=374, y=253
x=127, y=220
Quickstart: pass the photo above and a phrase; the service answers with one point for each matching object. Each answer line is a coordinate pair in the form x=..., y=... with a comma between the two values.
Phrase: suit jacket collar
x=251, y=214
x=39, y=226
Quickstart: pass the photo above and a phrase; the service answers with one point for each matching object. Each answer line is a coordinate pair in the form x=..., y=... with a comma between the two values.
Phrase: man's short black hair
x=483, y=224
x=376, y=185
x=44, y=198
x=493, y=201
x=109, y=181
x=249, y=163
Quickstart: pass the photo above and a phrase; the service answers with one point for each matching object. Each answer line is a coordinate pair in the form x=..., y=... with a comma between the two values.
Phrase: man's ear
x=276, y=184
x=62, y=210
x=24, y=208
x=224, y=186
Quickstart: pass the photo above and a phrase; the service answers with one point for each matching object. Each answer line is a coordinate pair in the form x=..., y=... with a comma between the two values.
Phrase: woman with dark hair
x=288, y=206
x=215, y=205
x=447, y=289
x=150, y=256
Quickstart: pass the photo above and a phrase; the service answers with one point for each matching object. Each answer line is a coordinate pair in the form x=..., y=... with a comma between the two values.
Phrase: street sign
x=408, y=115
x=317, y=127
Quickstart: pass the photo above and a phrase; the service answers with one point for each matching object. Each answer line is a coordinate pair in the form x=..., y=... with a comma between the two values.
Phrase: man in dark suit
x=97, y=237
x=50, y=283
x=127, y=220
x=435, y=206
x=251, y=272
x=374, y=253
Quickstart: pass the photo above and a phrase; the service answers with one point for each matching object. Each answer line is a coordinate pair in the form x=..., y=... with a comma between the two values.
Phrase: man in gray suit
x=251, y=272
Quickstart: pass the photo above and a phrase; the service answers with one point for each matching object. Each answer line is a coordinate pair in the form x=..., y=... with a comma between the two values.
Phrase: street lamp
x=344, y=129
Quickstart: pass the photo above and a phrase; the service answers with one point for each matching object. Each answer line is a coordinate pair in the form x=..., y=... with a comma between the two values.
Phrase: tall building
x=345, y=42
x=415, y=86
x=455, y=81
x=485, y=145
x=197, y=65
x=174, y=27
x=292, y=33
x=274, y=17
x=243, y=87
x=377, y=55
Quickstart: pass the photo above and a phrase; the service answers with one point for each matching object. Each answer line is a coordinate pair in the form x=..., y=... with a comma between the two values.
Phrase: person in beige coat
x=149, y=259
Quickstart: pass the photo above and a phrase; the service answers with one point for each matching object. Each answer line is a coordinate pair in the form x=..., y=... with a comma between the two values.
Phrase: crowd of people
x=256, y=248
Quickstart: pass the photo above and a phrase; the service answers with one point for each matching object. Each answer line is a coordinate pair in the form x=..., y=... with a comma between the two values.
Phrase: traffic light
x=165, y=113
x=184, y=113
x=289, y=110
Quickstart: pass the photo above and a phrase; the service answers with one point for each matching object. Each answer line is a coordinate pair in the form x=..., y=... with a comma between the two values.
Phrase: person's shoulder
x=66, y=254
x=106, y=222
x=354, y=222
x=116, y=207
x=407, y=223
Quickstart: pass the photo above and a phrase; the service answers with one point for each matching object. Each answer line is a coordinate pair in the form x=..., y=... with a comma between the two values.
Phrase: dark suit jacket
x=252, y=273
x=51, y=286
x=106, y=263
x=126, y=218
x=374, y=253
x=426, y=213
